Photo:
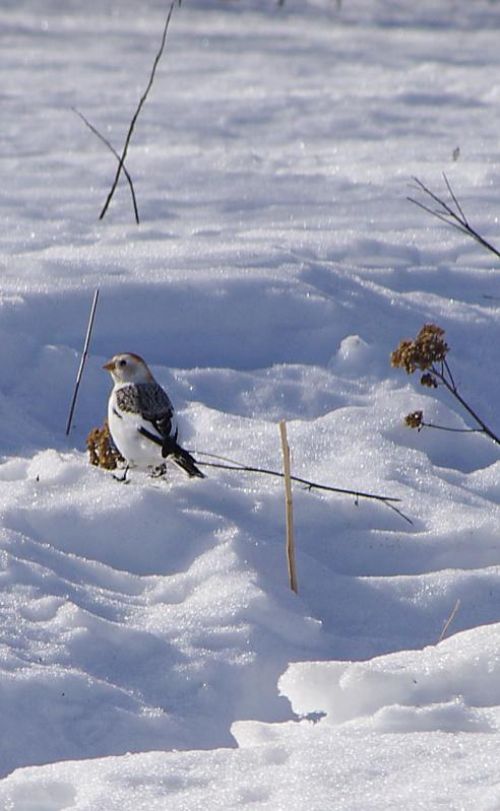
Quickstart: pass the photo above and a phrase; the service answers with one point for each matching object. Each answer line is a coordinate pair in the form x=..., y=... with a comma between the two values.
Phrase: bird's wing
x=151, y=403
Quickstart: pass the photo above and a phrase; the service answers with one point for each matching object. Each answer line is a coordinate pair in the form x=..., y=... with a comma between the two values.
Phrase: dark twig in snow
x=142, y=101
x=447, y=383
x=424, y=424
x=231, y=464
x=450, y=213
x=115, y=153
x=83, y=359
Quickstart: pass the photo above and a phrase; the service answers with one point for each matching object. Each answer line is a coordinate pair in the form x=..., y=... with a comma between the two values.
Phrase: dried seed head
x=429, y=347
x=403, y=356
x=429, y=381
x=431, y=344
x=415, y=420
x=102, y=451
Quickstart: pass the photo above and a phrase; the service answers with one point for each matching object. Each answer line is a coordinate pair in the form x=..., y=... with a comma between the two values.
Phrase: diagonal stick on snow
x=232, y=464
x=83, y=359
x=449, y=621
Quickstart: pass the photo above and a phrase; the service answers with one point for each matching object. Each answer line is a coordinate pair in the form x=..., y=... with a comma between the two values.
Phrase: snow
x=152, y=654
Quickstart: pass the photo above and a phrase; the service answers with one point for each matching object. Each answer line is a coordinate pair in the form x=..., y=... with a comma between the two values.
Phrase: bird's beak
x=109, y=365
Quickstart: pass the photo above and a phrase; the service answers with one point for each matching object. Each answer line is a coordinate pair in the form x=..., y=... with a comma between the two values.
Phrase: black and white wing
x=153, y=404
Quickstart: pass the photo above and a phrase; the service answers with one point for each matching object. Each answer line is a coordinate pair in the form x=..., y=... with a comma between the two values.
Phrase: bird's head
x=128, y=368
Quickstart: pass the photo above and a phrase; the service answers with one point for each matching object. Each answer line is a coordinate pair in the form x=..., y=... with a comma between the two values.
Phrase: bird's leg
x=122, y=478
x=158, y=471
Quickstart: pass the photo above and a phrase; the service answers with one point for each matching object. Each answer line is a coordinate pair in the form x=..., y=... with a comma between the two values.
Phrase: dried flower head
x=415, y=420
x=429, y=380
x=428, y=348
x=102, y=451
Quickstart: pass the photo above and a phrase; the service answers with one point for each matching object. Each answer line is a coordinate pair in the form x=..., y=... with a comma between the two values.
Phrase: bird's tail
x=184, y=460
x=170, y=447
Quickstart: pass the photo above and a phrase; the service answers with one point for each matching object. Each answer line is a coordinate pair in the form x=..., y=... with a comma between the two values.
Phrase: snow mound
x=449, y=687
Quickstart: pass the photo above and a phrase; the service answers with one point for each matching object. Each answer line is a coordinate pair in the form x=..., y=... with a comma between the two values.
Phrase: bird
x=141, y=419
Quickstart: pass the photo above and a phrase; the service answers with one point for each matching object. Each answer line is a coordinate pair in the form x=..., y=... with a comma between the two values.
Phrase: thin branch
x=389, y=501
x=138, y=110
x=424, y=424
x=451, y=216
x=439, y=216
x=115, y=153
x=450, y=374
x=455, y=199
x=477, y=419
x=83, y=359
x=310, y=485
x=449, y=621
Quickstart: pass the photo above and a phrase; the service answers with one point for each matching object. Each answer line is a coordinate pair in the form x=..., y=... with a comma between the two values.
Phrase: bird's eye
x=122, y=362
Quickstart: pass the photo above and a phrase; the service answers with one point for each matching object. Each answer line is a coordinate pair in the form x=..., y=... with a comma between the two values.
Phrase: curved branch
x=142, y=101
x=230, y=464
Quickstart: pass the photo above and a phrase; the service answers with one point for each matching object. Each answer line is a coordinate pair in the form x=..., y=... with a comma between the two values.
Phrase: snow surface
x=152, y=655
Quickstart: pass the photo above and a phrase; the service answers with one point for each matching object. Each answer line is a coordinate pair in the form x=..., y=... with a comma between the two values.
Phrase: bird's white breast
x=138, y=450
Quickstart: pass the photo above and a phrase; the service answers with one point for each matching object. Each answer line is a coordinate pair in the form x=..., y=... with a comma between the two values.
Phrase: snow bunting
x=141, y=418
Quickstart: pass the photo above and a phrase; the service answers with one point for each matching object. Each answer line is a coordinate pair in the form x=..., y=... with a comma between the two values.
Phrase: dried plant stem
x=443, y=374
x=115, y=153
x=449, y=621
x=83, y=359
x=142, y=101
x=427, y=353
x=230, y=464
x=388, y=501
x=424, y=424
x=452, y=214
x=290, y=541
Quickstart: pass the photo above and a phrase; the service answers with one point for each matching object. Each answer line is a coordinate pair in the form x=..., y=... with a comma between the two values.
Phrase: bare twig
x=451, y=387
x=83, y=359
x=142, y=101
x=454, y=198
x=449, y=621
x=290, y=542
x=227, y=463
x=452, y=214
x=388, y=501
x=424, y=424
x=115, y=153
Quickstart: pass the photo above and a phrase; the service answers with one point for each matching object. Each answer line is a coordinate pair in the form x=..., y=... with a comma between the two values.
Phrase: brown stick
x=290, y=542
